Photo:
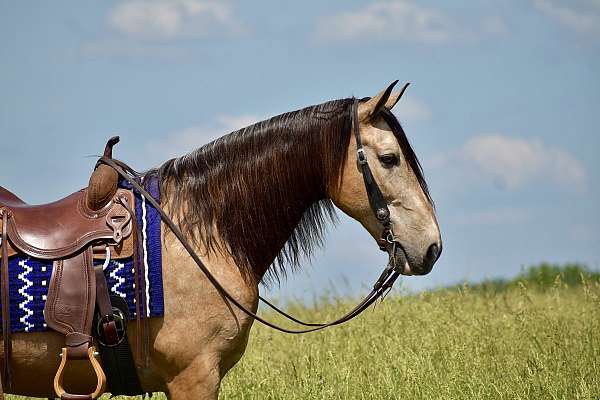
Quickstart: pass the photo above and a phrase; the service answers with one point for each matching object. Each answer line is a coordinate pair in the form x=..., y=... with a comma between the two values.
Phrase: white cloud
x=581, y=16
x=400, y=20
x=412, y=110
x=183, y=141
x=513, y=162
x=171, y=19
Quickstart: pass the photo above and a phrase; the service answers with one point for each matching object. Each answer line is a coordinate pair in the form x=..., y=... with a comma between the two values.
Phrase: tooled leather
x=119, y=222
x=36, y=230
x=71, y=294
x=102, y=187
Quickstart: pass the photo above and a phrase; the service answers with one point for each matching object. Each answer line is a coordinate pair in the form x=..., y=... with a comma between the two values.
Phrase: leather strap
x=6, y=326
x=142, y=337
x=143, y=299
x=78, y=344
x=111, y=337
x=376, y=199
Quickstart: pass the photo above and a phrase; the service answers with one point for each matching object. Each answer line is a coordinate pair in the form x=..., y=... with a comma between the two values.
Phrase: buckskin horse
x=246, y=207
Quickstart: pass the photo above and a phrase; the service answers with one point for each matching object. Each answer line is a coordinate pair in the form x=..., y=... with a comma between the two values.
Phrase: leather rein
x=376, y=200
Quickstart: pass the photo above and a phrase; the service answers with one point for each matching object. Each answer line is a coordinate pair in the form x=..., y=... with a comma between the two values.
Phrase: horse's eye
x=388, y=160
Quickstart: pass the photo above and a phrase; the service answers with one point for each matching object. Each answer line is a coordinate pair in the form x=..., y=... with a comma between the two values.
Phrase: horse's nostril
x=433, y=253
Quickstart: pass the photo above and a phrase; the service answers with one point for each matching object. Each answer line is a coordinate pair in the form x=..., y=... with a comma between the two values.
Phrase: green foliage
x=540, y=277
x=547, y=275
x=536, y=338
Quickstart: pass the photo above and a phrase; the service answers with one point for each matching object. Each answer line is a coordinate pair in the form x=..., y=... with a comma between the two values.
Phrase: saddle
x=93, y=223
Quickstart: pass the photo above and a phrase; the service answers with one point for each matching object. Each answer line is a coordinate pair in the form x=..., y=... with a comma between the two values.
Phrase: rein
x=383, y=284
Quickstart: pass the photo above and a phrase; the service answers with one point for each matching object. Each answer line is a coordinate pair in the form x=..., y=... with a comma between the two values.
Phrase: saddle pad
x=29, y=277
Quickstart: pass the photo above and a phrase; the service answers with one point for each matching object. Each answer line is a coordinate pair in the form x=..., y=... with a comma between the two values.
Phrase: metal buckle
x=120, y=322
x=390, y=238
x=383, y=215
x=362, y=157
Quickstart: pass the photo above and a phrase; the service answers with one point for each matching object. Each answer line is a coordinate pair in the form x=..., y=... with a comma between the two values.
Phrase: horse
x=252, y=203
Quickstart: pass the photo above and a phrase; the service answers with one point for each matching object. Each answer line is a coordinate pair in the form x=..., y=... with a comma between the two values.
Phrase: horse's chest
x=198, y=320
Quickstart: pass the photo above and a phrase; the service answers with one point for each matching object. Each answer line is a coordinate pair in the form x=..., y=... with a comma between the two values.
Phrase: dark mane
x=264, y=187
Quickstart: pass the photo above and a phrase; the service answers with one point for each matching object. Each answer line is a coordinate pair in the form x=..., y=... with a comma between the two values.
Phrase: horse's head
x=413, y=240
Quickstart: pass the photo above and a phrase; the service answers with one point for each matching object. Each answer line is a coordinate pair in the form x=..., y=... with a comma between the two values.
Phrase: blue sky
x=503, y=108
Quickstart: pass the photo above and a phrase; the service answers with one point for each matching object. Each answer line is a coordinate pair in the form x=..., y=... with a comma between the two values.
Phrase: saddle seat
x=64, y=227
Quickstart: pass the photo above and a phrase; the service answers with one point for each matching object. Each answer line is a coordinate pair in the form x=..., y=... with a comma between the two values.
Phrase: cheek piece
x=377, y=201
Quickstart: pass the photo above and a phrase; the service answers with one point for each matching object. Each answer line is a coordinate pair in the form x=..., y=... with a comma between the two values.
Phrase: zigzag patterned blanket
x=29, y=277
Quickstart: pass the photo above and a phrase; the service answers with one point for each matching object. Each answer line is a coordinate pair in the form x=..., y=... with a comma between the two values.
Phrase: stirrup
x=58, y=378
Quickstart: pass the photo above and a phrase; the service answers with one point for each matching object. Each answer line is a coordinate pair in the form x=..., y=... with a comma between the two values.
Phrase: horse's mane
x=264, y=188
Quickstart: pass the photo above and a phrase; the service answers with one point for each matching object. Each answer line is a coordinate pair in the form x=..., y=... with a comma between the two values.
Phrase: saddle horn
x=109, y=145
x=103, y=182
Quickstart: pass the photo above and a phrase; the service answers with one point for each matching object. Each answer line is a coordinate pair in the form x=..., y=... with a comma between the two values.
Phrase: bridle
x=376, y=200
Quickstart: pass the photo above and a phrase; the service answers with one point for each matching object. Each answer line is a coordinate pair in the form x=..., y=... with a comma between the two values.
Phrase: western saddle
x=71, y=232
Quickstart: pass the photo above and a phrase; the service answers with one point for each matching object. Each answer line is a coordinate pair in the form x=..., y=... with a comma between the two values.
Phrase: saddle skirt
x=29, y=276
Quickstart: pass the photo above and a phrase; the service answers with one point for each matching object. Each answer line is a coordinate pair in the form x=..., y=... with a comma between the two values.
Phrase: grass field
x=537, y=337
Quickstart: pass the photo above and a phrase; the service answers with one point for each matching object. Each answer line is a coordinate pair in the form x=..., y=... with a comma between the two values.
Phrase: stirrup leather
x=100, y=376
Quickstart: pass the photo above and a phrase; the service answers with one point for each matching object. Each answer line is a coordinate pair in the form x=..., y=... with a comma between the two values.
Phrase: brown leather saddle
x=71, y=232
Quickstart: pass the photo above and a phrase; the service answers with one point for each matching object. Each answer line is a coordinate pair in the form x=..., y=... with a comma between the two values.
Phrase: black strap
x=104, y=307
x=117, y=360
x=376, y=199
x=376, y=293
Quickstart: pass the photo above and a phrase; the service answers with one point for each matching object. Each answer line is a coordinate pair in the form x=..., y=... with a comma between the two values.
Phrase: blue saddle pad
x=29, y=277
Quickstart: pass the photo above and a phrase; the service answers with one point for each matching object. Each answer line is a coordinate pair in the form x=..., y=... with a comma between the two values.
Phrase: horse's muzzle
x=401, y=263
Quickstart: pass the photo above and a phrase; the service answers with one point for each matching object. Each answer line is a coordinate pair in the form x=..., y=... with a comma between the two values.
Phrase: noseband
x=378, y=205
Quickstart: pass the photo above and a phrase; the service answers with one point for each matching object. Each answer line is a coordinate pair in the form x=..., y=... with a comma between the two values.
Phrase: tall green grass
x=536, y=337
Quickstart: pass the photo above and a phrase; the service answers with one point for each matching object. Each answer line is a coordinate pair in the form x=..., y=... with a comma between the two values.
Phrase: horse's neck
x=259, y=187
x=275, y=214
x=287, y=217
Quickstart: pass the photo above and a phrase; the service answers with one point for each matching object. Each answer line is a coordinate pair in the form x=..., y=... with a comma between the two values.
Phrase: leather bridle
x=376, y=200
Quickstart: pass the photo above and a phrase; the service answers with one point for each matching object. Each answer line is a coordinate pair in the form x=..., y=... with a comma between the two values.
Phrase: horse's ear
x=395, y=97
x=385, y=99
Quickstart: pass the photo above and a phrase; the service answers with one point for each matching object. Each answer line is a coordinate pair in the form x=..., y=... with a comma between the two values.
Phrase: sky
x=502, y=109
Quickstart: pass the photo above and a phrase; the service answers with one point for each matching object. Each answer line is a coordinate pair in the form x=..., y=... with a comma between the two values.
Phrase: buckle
x=362, y=157
x=383, y=215
x=110, y=330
